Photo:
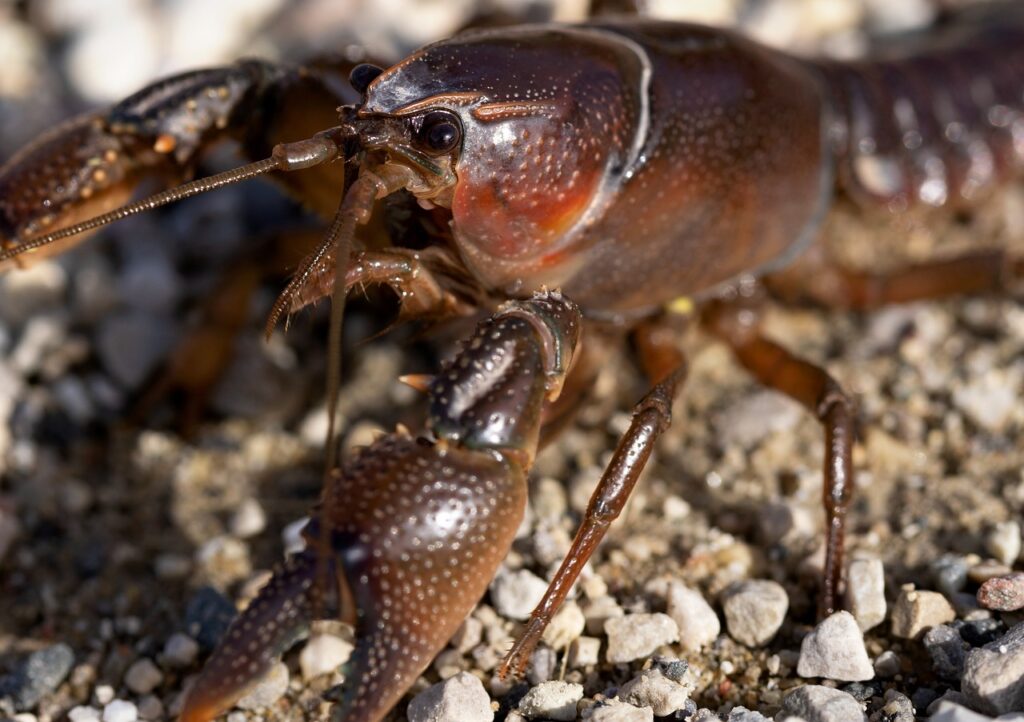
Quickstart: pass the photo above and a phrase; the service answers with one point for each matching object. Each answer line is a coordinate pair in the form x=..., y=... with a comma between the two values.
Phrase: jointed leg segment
x=651, y=418
x=819, y=393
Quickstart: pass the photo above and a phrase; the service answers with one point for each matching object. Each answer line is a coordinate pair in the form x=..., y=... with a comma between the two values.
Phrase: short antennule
x=285, y=157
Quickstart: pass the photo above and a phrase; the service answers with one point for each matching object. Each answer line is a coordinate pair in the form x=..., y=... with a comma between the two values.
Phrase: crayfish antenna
x=285, y=157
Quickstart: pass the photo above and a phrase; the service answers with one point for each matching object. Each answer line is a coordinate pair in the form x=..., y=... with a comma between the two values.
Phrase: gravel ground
x=125, y=547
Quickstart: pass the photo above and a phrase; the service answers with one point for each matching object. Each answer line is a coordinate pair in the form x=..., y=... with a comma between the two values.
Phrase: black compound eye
x=440, y=131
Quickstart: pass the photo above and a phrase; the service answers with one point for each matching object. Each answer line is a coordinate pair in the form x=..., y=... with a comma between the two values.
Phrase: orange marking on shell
x=513, y=109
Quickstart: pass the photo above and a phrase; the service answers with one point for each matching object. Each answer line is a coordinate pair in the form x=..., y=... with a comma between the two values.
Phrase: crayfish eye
x=439, y=132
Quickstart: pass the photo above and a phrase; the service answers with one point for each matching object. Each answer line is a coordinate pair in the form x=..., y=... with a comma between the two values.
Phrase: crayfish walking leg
x=416, y=526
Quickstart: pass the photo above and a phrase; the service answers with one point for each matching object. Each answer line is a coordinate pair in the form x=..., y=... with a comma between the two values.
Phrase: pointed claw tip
x=420, y=382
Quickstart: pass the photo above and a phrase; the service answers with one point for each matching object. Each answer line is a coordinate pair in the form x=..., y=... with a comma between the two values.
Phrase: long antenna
x=285, y=157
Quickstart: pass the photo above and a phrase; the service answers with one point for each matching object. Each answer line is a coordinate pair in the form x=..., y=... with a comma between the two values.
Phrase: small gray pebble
x=461, y=698
x=897, y=708
x=516, y=594
x=143, y=676
x=653, y=689
x=636, y=636
x=742, y=714
x=38, y=675
x=952, y=712
x=151, y=708
x=614, y=711
x=887, y=664
x=950, y=573
x=835, y=650
x=815, y=703
x=865, y=592
x=543, y=665
x=754, y=610
x=946, y=649
x=468, y=635
x=180, y=651
x=674, y=669
x=551, y=700
x=993, y=679
x=698, y=624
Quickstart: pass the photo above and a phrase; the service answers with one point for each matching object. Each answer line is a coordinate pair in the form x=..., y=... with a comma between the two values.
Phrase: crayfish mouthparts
x=418, y=525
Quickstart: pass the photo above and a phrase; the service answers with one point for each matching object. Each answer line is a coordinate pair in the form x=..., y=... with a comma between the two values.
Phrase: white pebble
x=698, y=624
x=515, y=594
x=291, y=536
x=151, y=708
x=597, y=611
x=143, y=676
x=84, y=713
x=249, y=519
x=224, y=560
x=565, y=626
x=636, y=636
x=865, y=592
x=322, y=654
x=120, y=710
x=180, y=651
x=1003, y=542
x=459, y=699
x=821, y=704
x=754, y=610
x=653, y=689
x=613, y=710
x=835, y=650
x=989, y=399
x=269, y=689
x=104, y=694
x=551, y=700
x=584, y=652
x=468, y=635
x=39, y=287
x=887, y=664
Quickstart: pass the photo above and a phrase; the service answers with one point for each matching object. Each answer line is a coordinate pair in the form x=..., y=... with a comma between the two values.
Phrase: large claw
x=418, y=526
x=94, y=164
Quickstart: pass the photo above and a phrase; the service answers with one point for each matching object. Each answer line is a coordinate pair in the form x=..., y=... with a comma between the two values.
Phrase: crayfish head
x=427, y=143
